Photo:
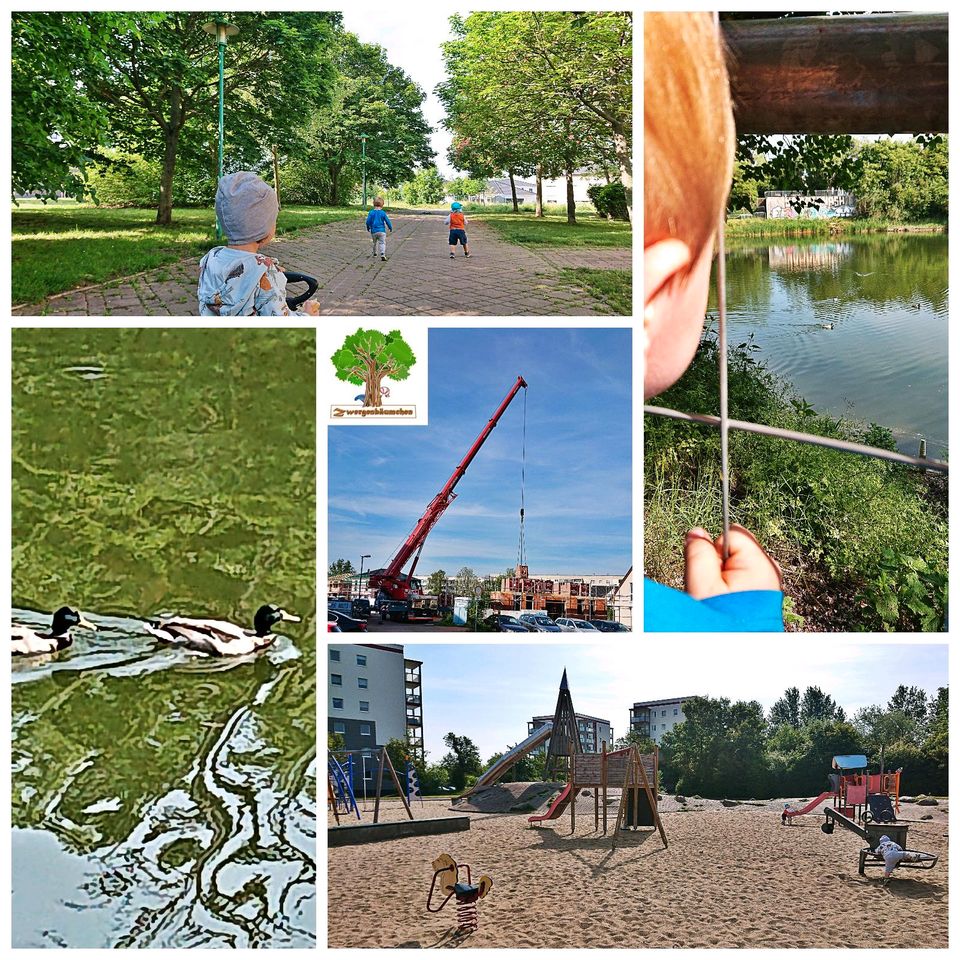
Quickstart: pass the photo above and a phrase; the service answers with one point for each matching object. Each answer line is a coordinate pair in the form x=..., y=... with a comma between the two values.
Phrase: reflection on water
x=858, y=327
x=161, y=798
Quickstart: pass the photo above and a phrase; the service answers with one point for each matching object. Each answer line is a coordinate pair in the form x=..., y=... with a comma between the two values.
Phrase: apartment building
x=654, y=718
x=593, y=730
x=374, y=695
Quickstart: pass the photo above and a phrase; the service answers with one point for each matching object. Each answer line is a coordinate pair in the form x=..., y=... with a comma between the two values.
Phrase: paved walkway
x=418, y=278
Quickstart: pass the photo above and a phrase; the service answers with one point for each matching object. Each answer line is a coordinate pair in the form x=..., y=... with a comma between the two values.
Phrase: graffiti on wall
x=783, y=205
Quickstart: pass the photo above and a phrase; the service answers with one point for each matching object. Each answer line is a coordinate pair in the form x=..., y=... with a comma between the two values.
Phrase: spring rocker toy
x=446, y=880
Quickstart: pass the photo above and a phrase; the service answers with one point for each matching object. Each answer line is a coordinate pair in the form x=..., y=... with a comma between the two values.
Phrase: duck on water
x=27, y=642
x=220, y=638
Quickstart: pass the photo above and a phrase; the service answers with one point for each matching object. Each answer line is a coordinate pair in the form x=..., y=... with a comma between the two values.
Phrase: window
x=364, y=706
x=334, y=655
x=337, y=703
x=663, y=713
x=339, y=726
x=336, y=679
x=676, y=711
x=362, y=683
x=361, y=659
x=364, y=729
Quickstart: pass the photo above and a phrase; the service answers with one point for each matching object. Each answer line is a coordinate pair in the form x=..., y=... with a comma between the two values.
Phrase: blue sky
x=412, y=41
x=489, y=692
x=578, y=463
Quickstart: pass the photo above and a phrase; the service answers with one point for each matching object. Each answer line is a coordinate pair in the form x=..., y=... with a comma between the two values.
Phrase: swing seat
x=870, y=858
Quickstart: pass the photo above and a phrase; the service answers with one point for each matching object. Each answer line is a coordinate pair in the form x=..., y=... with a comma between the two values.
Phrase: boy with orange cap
x=689, y=145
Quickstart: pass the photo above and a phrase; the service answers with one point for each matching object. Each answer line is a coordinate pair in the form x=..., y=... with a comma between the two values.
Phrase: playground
x=592, y=858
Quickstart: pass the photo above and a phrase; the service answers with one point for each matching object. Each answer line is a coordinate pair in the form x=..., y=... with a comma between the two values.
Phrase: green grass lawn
x=59, y=246
x=612, y=287
x=830, y=227
x=554, y=231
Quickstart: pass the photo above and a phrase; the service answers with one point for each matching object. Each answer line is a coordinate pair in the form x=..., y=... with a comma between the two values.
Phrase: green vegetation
x=862, y=542
x=59, y=246
x=760, y=227
x=554, y=231
x=900, y=181
x=612, y=287
x=725, y=749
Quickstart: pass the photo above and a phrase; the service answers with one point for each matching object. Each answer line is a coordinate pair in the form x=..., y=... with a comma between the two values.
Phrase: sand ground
x=730, y=877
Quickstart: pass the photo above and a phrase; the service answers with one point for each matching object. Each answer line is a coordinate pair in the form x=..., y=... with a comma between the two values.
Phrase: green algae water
x=856, y=325
x=159, y=798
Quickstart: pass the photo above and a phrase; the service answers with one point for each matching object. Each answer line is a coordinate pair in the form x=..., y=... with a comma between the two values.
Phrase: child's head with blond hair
x=378, y=201
x=689, y=144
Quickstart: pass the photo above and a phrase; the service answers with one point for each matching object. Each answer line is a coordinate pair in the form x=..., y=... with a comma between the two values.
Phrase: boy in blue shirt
x=689, y=144
x=377, y=225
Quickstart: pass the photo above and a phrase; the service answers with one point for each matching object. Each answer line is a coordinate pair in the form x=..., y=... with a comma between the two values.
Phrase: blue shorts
x=458, y=236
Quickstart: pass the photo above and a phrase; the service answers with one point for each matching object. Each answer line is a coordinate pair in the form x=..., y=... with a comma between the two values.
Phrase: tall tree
x=371, y=97
x=158, y=80
x=817, y=705
x=912, y=701
x=339, y=568
x=436, y=582
x=786, y=709
x=467, y=582
x=462, y=761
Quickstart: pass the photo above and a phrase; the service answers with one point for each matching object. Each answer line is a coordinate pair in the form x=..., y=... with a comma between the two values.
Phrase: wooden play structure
x=341, y=794
x=633, y=772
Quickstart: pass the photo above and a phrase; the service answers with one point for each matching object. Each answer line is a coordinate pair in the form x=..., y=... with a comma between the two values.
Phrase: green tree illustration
x=369, y=356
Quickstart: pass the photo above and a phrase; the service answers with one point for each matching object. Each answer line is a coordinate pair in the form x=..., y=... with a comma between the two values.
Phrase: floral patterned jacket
x=234, y=283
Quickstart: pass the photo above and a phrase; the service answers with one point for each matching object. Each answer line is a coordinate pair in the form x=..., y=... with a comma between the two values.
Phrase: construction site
x=392, y=597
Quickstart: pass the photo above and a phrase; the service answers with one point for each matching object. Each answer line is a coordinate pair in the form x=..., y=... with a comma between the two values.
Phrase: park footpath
x=418, y=277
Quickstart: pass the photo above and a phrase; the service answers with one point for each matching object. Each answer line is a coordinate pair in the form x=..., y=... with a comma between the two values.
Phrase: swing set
x=342, y=778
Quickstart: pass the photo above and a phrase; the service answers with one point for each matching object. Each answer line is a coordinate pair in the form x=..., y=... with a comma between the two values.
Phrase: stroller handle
x=311, y=282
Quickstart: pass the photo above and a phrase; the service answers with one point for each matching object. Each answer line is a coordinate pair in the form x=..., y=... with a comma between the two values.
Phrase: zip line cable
x=522, y=544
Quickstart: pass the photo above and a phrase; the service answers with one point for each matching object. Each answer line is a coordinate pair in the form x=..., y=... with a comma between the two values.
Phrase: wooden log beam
x=884, y=73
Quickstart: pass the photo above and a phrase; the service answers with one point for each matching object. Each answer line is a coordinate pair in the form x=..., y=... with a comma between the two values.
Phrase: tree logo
x=367, y=358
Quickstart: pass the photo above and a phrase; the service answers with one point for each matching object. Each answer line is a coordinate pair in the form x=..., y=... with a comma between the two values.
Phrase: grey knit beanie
x=246, y=207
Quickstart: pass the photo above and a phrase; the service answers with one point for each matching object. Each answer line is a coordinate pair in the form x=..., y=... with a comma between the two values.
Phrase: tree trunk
x=568, y=173
x=371, y=396
x=539, y=210
x=334, y=184
x=276, y=176
x=171, y=136
x=513, y=191
x=622, y=150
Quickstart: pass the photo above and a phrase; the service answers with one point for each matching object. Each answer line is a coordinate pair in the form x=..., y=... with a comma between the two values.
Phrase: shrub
x=130, y=180
x=610, y=200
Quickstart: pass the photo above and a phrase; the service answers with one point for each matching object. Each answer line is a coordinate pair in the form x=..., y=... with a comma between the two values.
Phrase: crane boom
x=391, y=579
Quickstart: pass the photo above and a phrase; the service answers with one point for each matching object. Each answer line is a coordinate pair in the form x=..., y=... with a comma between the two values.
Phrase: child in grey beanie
x=237, y=280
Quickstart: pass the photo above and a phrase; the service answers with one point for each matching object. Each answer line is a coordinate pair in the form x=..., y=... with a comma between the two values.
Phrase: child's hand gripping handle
x=748, y=566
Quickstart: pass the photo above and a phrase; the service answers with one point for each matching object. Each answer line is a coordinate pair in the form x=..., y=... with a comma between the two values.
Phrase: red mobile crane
x=394, y=588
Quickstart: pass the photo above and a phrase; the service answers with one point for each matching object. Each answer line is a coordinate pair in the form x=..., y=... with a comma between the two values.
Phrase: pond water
x=858, y=326
x=159, y=798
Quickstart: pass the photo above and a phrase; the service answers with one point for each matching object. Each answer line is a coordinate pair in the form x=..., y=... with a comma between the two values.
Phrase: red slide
x=813, y=804
x=556, y=808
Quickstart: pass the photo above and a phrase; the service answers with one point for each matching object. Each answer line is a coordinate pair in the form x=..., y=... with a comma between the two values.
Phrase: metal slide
x=556, y=808
x=497, y=770
x=812, y=805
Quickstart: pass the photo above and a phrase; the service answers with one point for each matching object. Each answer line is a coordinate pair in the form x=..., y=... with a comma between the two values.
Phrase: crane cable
x=522, y=544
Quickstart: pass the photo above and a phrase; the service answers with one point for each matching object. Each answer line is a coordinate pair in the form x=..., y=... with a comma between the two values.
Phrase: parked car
x=352, y=608
x=538, y=623
x=332, y=625
x=347, y=624
x=505, y=623
x=570, y=625
x=610, y=626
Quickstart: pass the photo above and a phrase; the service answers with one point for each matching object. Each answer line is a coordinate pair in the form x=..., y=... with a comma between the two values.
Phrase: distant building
x=497, y=190
x=792, y=205
x=654, y=718
x=593, y=730
x=374, y=695
x=621, y=600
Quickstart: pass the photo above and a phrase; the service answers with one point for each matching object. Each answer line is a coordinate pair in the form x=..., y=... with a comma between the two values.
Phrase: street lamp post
x=363, y=556
x=221, y=30
x=363, y=152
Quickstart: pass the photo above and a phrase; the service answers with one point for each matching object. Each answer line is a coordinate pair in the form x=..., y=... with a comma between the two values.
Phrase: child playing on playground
x=456, y=220
x=237, y=280
x=689, y=144
x=377, y=219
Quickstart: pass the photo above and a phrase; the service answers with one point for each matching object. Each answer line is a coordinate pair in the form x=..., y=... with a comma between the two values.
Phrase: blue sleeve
x=369, y=218
x=749, y=611
x=389, y=224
